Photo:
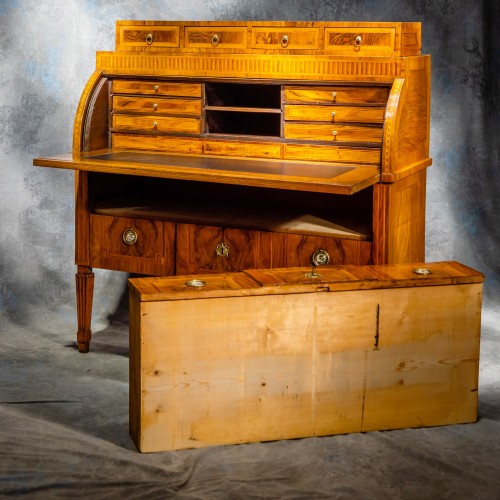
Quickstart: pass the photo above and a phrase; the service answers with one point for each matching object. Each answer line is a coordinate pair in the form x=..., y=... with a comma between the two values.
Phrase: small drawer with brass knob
x=170, y=106
x=333, y=132
x=353, y=39
x=168, y=124
x=130, y=37
x=131, y=245
x=272, y=37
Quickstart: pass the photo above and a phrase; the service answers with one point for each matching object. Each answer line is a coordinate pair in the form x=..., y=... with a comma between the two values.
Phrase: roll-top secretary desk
x=221, y=146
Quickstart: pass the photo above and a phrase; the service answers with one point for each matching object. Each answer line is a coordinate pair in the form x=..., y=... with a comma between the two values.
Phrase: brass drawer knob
x=334, y=134
x=284, y=41
x=222, y=250
x=358, y=41
x=333, y=115
x=215, y=40
x=320, y=258
x=149, y=38
x=155, y=88
x=129, y=237
x=155, y=125
x=334, y=95
x=155, y=106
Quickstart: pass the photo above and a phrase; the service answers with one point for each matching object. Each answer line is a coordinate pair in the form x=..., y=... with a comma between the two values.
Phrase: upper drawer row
x=341, y=39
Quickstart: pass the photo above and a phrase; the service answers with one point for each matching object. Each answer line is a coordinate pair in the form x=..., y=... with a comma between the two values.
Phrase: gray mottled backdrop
x=47, y=53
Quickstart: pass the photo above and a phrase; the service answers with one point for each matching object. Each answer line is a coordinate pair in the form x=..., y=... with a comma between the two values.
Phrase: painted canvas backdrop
x=47, y=53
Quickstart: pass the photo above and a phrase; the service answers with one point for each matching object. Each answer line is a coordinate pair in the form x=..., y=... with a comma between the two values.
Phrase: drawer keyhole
x=222, y=250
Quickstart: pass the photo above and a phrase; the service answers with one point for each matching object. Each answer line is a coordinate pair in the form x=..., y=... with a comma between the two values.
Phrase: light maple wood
x=331, y=108
x=281, y=355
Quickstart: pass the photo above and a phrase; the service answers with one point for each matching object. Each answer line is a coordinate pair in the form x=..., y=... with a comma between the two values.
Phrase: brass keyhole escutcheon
x=215, y=40
x=129, y=237
x=320, y=258
x=358, y=41
x=284, y=41
x=149, y=38
x=222, y=250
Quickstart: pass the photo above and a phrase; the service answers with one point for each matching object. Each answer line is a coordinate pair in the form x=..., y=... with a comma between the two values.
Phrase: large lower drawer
x=209, y=249
x=132, y=245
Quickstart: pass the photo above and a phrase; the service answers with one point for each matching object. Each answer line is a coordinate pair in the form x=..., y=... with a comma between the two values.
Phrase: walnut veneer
x=222, y=146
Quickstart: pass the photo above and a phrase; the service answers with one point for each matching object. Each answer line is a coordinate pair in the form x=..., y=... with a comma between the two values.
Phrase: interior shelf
x=205, y=204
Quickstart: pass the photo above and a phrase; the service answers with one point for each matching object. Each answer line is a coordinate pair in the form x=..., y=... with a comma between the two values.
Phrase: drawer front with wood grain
x=132, y=245
x=359, y=40
x=317, y=152
x=147, y=37
x=157, y=123
x=334, y=94
x=270, y=37
x=170, y=106
x=160, y=143
x=215, y=37
x=240, y=148
x=332, y=133
x=147, y=87
x=208, y=249
x=334, y=114
x=303, y=250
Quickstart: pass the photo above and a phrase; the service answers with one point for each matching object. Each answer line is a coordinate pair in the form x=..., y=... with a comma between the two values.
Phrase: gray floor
x=64, y=434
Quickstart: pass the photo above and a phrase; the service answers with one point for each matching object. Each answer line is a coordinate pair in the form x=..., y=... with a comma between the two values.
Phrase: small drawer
x=144, y=37
x=324, y=251
x=144, y=87
x=249, y=149
x=334, y=114
x=163, y=143
x=157, y=105
x=359, y=40
x=316, y=152
x=132, y=245
x=157, y=123
x=337, y=95
x=215, y=37
x=285, y=38
x=332, y=133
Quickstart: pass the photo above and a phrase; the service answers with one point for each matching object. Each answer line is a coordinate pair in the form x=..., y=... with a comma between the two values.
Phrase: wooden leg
x=84, y=294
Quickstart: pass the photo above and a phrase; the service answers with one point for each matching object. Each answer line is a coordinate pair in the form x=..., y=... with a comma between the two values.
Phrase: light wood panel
x=267, y=363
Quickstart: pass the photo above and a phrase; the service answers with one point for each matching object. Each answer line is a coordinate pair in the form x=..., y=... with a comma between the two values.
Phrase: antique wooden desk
x=222, y=146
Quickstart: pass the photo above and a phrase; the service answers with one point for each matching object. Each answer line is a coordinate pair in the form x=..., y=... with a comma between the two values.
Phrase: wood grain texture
x=152, y=253
x=251, y=367
x=399, y=220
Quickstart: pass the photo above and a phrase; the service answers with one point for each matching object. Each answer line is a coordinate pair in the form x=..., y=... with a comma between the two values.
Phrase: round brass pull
x=155, y=88
x=215, y=40
x=155, y=106
x=334, y=95
x=358, y=41
x=284, y=41
x=155, y=125
x=222, y=250
x=196, y=283
x=129, y=237
x=149, y=38
x=320, y=258
x=334, y=134
x=422, y=271
x=333, y=115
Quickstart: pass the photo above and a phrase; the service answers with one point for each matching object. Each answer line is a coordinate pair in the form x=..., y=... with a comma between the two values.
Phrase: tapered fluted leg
x=84, y=294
